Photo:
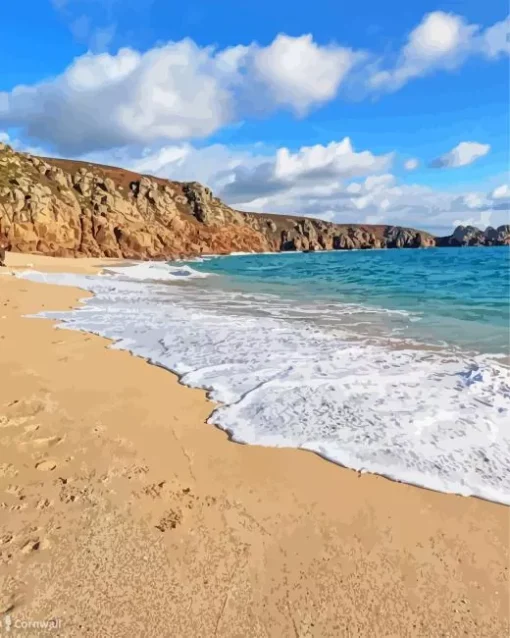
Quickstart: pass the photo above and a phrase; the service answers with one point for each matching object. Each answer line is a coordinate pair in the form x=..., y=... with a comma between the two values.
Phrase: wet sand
x=122, y=513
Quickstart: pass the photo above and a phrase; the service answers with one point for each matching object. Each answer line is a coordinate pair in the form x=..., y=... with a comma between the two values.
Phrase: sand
x=122, y=513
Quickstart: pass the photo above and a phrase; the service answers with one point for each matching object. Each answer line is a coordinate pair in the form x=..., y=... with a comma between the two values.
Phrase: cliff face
x=67, y=208
x=471, y=236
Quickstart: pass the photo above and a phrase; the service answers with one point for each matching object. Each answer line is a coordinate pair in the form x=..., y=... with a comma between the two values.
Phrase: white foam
x=156, y=271
x=437, y=419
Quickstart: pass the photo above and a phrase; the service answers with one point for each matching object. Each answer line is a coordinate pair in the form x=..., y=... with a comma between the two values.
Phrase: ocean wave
x=433, y=418
x=156, y=271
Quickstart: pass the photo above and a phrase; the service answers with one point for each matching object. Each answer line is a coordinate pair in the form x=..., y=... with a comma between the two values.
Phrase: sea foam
x=434, y=418
x=156, y=271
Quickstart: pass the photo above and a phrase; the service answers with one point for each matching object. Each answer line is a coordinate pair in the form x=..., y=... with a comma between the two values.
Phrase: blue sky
x=401, y=80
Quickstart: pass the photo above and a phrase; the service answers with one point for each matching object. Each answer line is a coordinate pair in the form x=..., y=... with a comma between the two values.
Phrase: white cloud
x=173, y=92
x=212, y=165
x=103, y=101
x=496, y=39
x=463, y=154
x=438, y=37
x=314, y=167
x=501, y=192
x=297, y=71
x=441, y=41
x=411, y=164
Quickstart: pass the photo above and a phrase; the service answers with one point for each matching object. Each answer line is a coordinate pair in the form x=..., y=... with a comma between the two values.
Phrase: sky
x=366, y=112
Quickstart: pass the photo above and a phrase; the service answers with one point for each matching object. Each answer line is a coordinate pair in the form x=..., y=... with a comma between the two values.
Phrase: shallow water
x=458, y=295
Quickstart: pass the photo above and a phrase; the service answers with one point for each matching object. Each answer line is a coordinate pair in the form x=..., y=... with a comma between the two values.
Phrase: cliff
x=472, y=236
x=69, y=208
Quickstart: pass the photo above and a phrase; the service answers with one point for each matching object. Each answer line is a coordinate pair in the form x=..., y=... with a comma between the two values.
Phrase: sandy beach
x=122, y=513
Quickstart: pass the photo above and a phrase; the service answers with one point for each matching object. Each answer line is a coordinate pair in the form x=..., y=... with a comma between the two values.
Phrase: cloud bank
x=173, y=92
x=181, y=90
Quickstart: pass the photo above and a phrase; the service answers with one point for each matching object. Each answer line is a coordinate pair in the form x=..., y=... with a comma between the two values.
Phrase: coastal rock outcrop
x=71, y=208
x=472, y=236
x=66, y=208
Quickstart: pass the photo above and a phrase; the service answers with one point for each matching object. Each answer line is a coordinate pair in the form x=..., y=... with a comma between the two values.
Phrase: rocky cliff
x=472, y=236
x=67, y=208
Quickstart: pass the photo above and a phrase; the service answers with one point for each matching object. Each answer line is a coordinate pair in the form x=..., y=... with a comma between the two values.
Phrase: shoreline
x=109, y=323
x=110, y=342
x=270, y=541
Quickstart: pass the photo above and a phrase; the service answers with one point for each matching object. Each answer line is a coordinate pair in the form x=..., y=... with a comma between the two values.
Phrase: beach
x=124, y=513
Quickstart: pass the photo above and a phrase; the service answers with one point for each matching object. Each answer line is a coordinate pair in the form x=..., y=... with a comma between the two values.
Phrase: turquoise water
x=457, y=296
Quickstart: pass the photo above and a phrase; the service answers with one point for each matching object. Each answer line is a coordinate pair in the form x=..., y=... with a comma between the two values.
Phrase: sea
x=393, y=362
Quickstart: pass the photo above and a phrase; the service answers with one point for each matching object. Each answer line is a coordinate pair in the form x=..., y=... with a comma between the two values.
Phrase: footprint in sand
x=32, y=428
x=154, y=490
x=30, y=546
x=15, y=490
x=6, y=538
x=46, y=466
x=44, y=503
x=18, y=508
x=49, y=441
x=170, y=520
x=7, y=470
x=34, y=545
x=33, y=405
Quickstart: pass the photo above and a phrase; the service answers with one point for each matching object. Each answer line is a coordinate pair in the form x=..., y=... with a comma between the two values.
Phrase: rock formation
x=472, y=236
x=68, y=208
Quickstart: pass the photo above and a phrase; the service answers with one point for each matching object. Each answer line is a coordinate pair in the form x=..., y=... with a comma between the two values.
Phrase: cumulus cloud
x=311, y=166
x=298, y=72
x=441, y=41
x=103, y=101
x=173, y=92
x=212, y=165
x=463, y=154
x=411, y=164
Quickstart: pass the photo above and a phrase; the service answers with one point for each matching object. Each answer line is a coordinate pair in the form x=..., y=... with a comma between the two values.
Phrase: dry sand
x=123, y=514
